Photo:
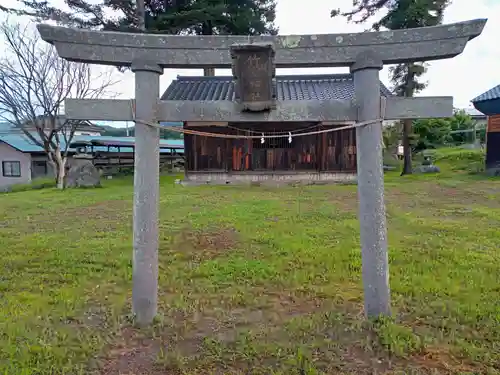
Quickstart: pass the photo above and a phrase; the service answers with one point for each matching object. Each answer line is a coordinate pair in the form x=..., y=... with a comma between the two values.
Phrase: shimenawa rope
x=263, y=134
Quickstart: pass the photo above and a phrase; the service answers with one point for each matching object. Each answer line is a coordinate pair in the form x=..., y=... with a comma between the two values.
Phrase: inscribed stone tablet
x=254, y=71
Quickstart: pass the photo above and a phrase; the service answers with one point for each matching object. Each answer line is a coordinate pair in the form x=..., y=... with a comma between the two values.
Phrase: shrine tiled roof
x=488, y=102
x=290, y=87
x=491, y=94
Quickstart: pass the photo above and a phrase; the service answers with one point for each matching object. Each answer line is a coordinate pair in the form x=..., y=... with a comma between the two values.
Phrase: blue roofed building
x=20, y=157
x=22, y=160
x=488, y=103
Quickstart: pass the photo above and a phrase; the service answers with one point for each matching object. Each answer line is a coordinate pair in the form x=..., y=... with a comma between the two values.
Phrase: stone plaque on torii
x=365, y=53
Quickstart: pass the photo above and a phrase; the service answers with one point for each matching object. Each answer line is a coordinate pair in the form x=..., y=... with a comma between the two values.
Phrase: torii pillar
x=146, y=192
x=372, y=220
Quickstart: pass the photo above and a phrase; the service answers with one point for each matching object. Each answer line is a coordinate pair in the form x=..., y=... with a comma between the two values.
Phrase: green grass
x=36, y=184
x=253, y=280
x=451, y=160
x=460, y=159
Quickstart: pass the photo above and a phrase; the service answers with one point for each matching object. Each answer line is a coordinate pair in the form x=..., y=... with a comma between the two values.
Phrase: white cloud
x=476, y=69
x=463, y=77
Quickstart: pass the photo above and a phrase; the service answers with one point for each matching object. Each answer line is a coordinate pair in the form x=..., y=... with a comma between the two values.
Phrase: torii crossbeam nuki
x=396, y=108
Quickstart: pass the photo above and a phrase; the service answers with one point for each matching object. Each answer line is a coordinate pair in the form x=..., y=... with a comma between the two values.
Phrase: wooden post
x=373, y=231
x=146, y=189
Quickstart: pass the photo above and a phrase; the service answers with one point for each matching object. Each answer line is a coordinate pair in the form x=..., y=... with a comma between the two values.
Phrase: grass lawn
x=253, y=280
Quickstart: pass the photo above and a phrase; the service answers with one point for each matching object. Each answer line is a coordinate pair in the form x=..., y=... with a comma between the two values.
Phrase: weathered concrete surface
x=398, y=108
x=304, y=110
x=221, y=178
x=372, y=220
x=146, y=194
x=173, y=51
x=228, y=111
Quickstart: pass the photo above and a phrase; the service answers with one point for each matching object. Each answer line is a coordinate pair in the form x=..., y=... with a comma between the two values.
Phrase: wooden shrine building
x=489, y=104
x=323, y=156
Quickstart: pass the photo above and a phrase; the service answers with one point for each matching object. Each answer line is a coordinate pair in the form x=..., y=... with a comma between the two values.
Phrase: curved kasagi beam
x=324, y=50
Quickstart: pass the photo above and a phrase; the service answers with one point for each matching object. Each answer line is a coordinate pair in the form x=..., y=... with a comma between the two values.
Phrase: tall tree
x=34, y=82
x=462, y=121
x=401, y=14
x=431, y=133
x=198, y=17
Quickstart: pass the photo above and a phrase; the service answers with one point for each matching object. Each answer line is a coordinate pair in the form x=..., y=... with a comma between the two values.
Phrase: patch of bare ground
x=345, y=200
x=100, y=216
x=184, y=335
x=423, y=196
x=254, y=340
x=431, y=195
x=440, y=361
x=131, y=354
x=360, y=352
x=204, y=244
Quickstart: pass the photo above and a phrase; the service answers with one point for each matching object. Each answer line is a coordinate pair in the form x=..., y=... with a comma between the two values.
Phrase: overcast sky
x=463, y=77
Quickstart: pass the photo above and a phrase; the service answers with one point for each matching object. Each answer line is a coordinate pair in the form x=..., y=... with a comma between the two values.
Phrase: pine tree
x=185, y=17
x=401, y=14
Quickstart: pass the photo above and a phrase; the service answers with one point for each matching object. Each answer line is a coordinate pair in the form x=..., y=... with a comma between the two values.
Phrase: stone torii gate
x=365, y=53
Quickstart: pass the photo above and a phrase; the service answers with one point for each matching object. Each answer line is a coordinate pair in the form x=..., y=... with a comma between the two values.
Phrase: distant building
x=488, y=103
x=21, y=160
x=480, y=118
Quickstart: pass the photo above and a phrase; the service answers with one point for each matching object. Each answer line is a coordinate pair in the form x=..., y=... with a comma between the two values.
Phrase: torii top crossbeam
x=322, y=50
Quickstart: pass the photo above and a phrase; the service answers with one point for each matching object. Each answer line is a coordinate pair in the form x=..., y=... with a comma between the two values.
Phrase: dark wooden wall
x=493, y=142
x=332, y=151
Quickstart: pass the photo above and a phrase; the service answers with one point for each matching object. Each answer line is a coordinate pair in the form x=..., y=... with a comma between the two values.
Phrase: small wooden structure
x=320, y=156
x=489, y=104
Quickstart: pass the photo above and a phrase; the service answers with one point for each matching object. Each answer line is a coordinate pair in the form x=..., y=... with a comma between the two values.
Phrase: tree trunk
x=407, y=131
x=141, y=15
x=59, y=163
x=408, y=124
x=207, y=29
x=208, y=72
